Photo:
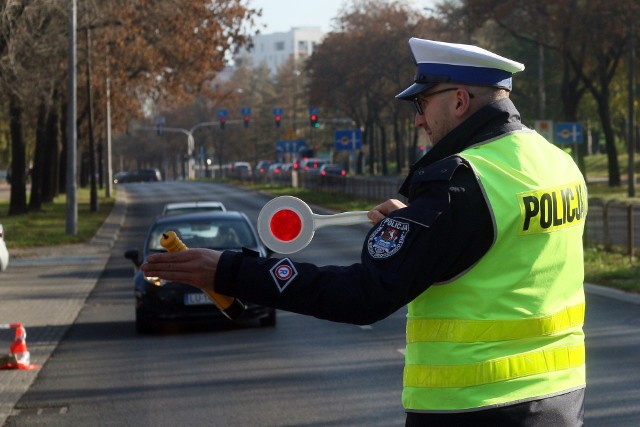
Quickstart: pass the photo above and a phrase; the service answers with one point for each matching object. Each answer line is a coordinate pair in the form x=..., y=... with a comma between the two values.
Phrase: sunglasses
x=419, y=100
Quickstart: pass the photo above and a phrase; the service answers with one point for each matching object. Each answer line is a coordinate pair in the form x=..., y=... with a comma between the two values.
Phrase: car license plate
x=197, y=299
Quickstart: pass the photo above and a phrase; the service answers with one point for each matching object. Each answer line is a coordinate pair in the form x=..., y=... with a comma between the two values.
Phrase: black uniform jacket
x=445, y=229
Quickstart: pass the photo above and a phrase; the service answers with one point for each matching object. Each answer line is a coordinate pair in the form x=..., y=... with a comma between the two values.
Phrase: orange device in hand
x=229, y=306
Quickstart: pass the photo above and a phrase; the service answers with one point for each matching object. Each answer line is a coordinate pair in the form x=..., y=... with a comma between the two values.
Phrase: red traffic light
x=313, y=121
x=278, y=119
x=247, y=118
x=223, y=122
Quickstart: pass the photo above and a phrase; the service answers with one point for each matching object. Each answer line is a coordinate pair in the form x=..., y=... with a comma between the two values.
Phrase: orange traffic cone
x=19, y=356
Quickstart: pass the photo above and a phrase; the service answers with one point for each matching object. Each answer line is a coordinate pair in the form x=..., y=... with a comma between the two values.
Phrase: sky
x=282, y=15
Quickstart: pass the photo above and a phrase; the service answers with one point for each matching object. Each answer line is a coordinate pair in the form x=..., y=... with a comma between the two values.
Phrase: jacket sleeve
x=444, y=231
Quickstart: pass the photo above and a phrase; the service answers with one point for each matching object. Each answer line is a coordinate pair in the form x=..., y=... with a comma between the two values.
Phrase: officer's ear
x=463, y=102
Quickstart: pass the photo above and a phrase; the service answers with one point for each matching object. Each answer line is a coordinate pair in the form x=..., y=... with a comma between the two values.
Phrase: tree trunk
x=602, y=99
x=18, y=199
x=570, y=93
x=35, y=202
x=62, y=170
x=383, y=148
x=612, y=153
x=372, y=150
x=399, y=138
x=51, y=155
x=571, y=96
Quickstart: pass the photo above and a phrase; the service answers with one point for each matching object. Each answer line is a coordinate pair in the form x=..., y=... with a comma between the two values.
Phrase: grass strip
x=47, y=227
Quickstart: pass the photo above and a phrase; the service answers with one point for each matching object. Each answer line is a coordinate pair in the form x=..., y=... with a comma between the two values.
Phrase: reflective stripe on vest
x=492, y=371
x=450, y=330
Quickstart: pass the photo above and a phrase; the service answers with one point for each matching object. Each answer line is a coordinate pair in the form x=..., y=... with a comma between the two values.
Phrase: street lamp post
x=632, y=126
x=109, y=187
x=72, y=135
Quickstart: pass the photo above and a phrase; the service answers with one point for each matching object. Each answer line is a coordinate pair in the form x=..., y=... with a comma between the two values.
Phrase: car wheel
x=270, y=320
x=143, y=324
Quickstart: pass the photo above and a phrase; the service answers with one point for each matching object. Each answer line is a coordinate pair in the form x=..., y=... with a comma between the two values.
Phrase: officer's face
x=436, y=111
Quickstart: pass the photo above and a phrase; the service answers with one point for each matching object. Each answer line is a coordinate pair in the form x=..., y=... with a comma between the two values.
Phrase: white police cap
x=440, y=62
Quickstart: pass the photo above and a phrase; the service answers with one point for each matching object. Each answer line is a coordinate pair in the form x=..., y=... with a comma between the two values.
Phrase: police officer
x=487, y=254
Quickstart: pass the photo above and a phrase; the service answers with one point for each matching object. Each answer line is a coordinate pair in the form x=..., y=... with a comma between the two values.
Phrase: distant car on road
x=189, y=207
x=311, y=165
x=118, y=177
x=240, y=170
x=286, y=169
x=159, y=301
x=141, y=175
x=331, y=169
x=275, y=171
x=4, y=253
x=262, y=167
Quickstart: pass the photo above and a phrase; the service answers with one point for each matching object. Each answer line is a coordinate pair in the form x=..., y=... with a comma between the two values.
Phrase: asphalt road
x=303, y=372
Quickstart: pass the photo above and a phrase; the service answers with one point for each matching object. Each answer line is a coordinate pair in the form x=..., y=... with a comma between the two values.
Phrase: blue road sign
x=277, y=111
x=291, y=147
x=349, y=139
x=569, y=133
x=222, y=113
x=245, y=111
x=313, y=110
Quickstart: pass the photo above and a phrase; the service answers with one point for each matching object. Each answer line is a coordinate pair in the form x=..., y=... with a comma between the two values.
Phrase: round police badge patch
x=284, y=272
x=387, y=239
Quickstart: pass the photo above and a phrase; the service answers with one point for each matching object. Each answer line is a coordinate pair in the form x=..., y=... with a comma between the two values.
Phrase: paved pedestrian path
x=45, y=289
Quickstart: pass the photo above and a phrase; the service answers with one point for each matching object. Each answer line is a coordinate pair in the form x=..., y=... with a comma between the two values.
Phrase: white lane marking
x=365, y=327
x=401, y=351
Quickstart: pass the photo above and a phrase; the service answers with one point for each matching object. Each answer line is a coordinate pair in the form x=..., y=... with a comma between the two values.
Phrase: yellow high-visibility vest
x=510, y=328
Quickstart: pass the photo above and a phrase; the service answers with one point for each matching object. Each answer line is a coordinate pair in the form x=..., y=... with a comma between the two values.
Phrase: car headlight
x=155, y=281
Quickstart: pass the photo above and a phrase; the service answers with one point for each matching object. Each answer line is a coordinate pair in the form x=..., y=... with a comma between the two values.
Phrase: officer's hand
x=196, y=267
x=381, y=211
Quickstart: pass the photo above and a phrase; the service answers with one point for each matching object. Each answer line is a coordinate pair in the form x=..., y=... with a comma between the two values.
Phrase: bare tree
x=364, y=65
x=159, y=52
x=589, y=39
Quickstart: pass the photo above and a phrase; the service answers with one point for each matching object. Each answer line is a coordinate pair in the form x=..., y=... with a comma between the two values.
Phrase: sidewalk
x=45, y=289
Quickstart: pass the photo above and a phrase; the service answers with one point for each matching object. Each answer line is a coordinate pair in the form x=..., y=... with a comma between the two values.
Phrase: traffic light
x=246, y=120
x=223, y=122
x=278, y=119
x=313, y=121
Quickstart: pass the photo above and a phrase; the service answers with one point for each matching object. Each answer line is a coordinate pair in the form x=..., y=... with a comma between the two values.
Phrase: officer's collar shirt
x=490, y=121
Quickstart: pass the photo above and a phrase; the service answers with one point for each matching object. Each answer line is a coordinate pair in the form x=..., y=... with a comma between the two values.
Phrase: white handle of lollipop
x=300, y=224
x=344, y=218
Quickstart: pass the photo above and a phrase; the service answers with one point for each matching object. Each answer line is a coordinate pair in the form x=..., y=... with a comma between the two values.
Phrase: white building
x=276, y=48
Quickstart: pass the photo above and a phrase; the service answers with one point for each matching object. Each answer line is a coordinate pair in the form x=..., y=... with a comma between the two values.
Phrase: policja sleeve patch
x=283, y=273
x=387, y=239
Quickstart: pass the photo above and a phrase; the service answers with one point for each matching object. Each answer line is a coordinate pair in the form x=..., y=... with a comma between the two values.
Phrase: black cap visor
x=414, y=90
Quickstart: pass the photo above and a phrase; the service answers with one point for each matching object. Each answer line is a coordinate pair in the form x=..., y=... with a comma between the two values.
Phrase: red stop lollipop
x=286, y=224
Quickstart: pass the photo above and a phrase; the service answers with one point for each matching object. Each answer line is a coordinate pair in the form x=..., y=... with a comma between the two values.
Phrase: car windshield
x=208, y=233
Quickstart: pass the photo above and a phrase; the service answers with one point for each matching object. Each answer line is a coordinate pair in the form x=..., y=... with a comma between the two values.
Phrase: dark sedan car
x=159, y=301
x=140, y=175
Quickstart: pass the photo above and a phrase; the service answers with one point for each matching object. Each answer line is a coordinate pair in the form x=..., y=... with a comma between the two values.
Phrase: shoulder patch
x=387, y=239
x=283, y=273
